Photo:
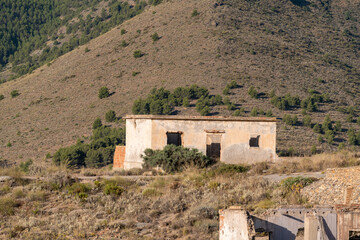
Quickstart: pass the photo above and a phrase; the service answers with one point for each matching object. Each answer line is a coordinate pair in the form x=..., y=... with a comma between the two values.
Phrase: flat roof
x=202, y=118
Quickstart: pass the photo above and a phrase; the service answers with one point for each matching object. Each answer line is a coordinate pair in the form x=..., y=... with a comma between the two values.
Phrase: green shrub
x=341, y=146
x=327, y=124
x=103, y=92
x=295, y=184
x=307, y=121
x=313, y=149
x=1, y=97
x=205, y=111
x=254, y=112
x=174, y=158
x=186, y=102
x=112, y=188
x=317, y=128
x=195, y=13
x=155, y=37
x=87, y=49
x=124, y=43
x=37, y=196
x=252, y=92
x=102, y=148
x=79, y=189
x=24, y=166
x=138, y=54
x=14, y=93
x=232, y=84
x=226, y=90
x=269, y=113
x=290, y=120
x=329, y=135
x=97, y=123
x=7, y=205
x=123, y=31
x=352, y=137
x=237, y=113
x=110, y=116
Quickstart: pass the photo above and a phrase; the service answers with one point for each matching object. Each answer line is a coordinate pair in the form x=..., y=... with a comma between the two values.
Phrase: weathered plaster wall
x=234, y=141
x=138, y=138
x=235, y=224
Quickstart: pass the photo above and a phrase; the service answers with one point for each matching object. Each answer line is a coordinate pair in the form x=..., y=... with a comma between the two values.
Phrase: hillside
x=288, y=46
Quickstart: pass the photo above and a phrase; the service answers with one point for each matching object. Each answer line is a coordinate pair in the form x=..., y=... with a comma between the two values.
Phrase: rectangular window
x=174, y=138
x=254, y=141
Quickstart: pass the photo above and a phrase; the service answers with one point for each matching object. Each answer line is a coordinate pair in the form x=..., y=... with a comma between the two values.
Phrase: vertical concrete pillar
x=235, y=224
x=311, y=227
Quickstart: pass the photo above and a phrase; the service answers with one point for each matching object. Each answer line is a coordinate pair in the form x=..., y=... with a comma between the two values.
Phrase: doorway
x=213, y=145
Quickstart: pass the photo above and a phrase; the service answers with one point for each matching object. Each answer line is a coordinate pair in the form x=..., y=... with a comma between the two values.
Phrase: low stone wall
x=341, y=185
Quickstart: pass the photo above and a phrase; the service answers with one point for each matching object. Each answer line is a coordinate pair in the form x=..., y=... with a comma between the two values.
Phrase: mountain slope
x=269, y=45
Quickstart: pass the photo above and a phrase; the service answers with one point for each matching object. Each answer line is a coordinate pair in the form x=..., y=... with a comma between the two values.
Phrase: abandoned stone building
x=229, y=139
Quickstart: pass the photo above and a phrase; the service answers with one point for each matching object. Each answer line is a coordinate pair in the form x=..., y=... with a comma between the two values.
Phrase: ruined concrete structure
x=319, y=223
x=228, y=139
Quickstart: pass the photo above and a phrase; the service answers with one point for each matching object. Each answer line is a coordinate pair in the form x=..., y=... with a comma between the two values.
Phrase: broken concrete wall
x=235, y=224
x=285, y=223
x=348, y=220
x=233, y=133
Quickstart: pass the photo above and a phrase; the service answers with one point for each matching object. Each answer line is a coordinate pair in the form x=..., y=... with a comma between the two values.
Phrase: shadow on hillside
x=300, y=3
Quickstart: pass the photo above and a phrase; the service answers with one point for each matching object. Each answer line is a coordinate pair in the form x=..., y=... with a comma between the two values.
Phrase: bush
x=123, y=31
x=110, y=116
x=338, y=126
x=1, y=97
x=112, y=188
x=155, y=37
x=14, y=93
x=329, y=135
x=7, y=205
x=252, y=92
x=195, y=13
x=99, y=152
x=138, y=54
x=97, y=123
x=226, y=90
x=313, y=149
x=327, y=125
x=174, y=158
x=317, y=128
x=269, y=113
x=24, y=166
x=290, y=120
x=307, y=121
x=150, y=192
x=103, y=92
x=254, y=112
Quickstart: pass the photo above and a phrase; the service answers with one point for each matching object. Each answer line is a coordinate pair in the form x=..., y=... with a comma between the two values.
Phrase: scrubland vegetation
x=54, y=203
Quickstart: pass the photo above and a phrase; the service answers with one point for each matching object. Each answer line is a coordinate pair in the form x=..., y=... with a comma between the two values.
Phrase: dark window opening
x=254, y=141
x=174, y=138
x=354, y=235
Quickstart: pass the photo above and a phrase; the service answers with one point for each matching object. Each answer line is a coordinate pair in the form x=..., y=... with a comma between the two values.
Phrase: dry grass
x=316, y=163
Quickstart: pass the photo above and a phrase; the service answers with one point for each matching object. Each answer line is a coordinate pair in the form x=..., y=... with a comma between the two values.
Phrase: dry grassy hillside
x=269, y=45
